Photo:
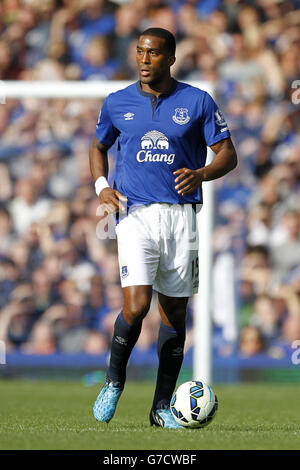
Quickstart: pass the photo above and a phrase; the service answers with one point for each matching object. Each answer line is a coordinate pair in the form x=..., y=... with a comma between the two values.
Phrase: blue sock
x=124, y=338
x=170, y=346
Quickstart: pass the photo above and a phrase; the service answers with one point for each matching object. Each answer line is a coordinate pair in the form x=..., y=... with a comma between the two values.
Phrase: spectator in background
x=287, y=297
x=48, y=219
x=126, y=31
x=26, y=208
x=246, y=296
x=251, y=342
x=266, y=318
x=97, y=64
x=240, y=67
x=113, y=304
x=19, y=254
x=7, y=237
x=37, y=38
x=12, y=318
x=41, y=340
x=59, y=218
x=259, y=226
x=95, y=343
x=94, y=306
x=268, y=195
x=5, y=59
x=70, y=330
x=9, y=277
x=291, y=329
x=206, y=69
x=92, y=21
x=162, y=17
x=256, y=268
x=42, y=289
x=286, y=256
x=23, y=317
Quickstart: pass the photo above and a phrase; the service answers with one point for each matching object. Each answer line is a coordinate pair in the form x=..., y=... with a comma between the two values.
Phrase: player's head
x=155, y=54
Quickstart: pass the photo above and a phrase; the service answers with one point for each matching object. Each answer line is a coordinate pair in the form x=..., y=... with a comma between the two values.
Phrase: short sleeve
x=105, y=131
x=214, y=125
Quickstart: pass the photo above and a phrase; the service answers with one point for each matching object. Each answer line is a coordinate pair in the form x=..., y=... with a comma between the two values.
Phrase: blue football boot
x=164, y=418
x=106, y=402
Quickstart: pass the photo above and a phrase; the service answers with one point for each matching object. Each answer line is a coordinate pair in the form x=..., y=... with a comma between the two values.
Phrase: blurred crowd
x=59, y=283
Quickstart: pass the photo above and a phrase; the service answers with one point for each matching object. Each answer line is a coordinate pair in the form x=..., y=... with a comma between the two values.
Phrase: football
x=194, y=404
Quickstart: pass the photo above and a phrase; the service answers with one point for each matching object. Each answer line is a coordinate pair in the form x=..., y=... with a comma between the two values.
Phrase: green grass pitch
x=58, y=415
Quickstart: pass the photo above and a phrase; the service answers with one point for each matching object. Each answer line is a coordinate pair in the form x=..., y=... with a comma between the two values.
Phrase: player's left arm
x=225, y=160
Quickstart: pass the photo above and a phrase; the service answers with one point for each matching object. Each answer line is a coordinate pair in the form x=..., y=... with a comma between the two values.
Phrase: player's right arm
x=109, y=197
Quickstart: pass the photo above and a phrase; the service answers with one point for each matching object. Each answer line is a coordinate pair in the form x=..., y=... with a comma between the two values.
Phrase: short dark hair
x=164, y=34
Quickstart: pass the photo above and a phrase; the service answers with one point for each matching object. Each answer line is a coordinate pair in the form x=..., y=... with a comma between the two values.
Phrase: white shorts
x=158, y=246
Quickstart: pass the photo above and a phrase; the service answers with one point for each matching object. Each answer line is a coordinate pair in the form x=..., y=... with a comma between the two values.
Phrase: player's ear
x=171, y=60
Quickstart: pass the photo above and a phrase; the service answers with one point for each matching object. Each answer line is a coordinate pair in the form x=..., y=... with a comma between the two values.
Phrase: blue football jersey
x=157, y=136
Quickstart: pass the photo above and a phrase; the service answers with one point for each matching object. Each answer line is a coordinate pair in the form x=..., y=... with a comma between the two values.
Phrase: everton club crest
x=124, y=272
x=181, y=116
x=220, y=118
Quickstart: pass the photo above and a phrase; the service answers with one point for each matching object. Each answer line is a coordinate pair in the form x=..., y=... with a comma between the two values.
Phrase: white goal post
x=202, y=362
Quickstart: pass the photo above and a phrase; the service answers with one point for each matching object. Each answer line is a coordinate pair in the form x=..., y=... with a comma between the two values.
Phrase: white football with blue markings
x=194, y=404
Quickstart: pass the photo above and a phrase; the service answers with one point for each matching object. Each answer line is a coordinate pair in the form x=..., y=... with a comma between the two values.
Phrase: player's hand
x=187, y=181
x=110, y=199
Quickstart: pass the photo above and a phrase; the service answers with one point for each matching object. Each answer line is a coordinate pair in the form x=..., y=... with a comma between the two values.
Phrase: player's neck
x=158, y=88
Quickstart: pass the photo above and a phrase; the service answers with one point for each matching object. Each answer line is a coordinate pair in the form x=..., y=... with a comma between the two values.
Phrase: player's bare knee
x=136, y=310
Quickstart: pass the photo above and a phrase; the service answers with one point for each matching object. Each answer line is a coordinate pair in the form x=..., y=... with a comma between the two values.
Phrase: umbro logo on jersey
x=154, y=140
x=128, y=116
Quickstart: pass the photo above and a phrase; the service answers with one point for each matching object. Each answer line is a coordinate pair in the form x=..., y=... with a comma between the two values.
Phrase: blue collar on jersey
x=145, y=93
x=152, y=96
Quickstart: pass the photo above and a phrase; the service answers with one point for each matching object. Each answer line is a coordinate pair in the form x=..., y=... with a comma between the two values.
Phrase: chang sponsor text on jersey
x=158, y=135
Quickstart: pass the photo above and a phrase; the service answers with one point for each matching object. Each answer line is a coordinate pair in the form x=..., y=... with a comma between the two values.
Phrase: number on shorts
x=195, y=268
